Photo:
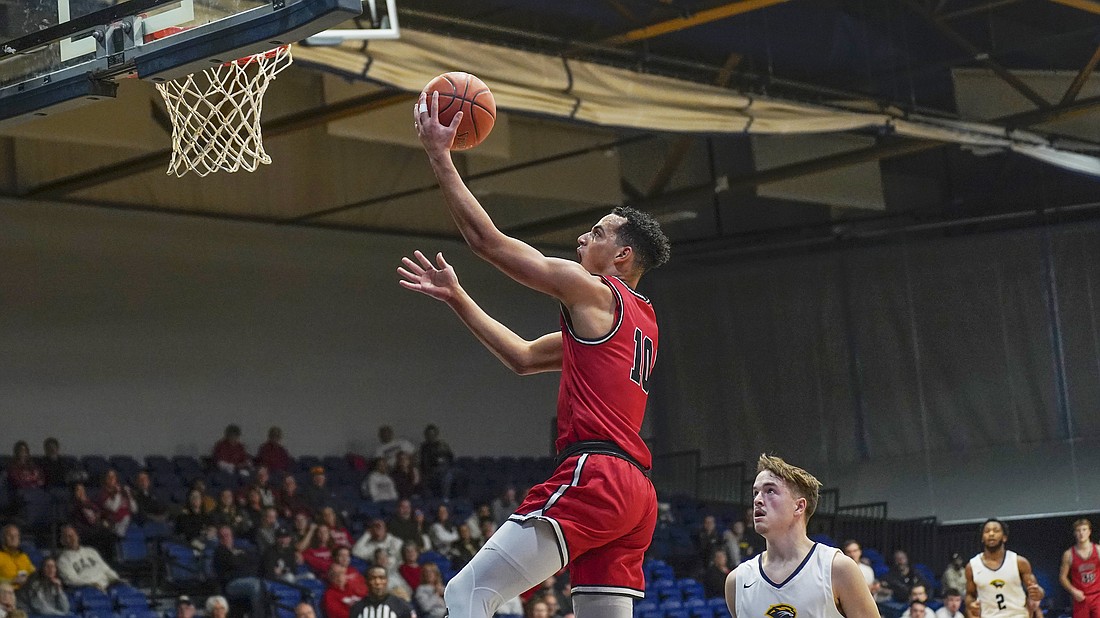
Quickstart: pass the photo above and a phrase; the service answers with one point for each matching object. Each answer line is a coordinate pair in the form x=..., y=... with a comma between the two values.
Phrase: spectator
x=707, y=539
x=429, y=594
x=443, y=533
x=184, y=607
x=115, y=503
x=436, y=458
x=379, y=597
x=264, y=534
x=483, y=512
x=82, y=566
x=422, y=529
x=23, y=473
x=91, y=526
x=390, y=446
x=406, y=477
x=918, y=594
x=217, y=606
x=55, y=471
x=208, y=502
x=227, y=514
x=398, y=585
x=952, y=604
x=252, y=513
x=304, y=610
x=237, y=571
x=15, y=564
x=356, y=582
x=261, y=483
x=714, y=578
x=403, y=526
x=954, y=576
x=290, y=501
x=853, y=550
x=547, y=590
x=376, y=537
x=317, y=494
x=553, y=606
x=379, y=485
x=147, y=507
x=902, y=578
x=8, y=608
x=338, y=598
x=735, y=542
x=340, y=534
x=317, y=552
x=192, y=521
x=537, y=608
x=272, y=454
x=230, y=454
x=280, y=561
x=466, y=546
x=410, y=565
x=917, y=608
x=504, y=506
x=43, y=593
x=302, y=530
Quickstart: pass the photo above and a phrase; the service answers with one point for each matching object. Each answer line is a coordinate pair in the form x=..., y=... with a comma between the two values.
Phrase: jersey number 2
x=643, y=360
x=1001, y=602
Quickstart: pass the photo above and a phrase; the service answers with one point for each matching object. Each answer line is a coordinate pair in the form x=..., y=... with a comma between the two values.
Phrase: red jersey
x=605, y=381
x=1084, y=573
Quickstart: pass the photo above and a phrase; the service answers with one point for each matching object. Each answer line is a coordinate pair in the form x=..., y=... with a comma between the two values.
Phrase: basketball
x=463, y=92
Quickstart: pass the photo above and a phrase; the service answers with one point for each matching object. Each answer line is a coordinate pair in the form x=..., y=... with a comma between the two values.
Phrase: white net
x=216, y=114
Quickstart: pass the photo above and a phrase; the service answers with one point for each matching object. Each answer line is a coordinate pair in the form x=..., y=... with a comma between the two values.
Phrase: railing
x=863, y=522
x=676, y=474
x=723, y=483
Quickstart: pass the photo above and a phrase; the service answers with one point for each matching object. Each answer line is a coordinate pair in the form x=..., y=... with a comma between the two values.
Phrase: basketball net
x=216, y=114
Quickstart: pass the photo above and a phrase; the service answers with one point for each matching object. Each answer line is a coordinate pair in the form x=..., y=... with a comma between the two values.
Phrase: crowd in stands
x=269, y=536
x=251, y=527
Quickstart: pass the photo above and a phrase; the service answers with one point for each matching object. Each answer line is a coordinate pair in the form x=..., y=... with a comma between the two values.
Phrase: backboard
x=55, y=54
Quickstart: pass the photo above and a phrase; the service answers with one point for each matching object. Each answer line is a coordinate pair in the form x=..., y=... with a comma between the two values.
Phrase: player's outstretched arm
x=565, y=280
x=853, y=597
x=731, y=593
x=440, y=282
x=1063, y=576
x=973, y=605
x=1035, y=592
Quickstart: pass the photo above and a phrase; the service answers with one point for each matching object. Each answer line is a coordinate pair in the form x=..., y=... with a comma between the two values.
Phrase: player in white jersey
x=794, y=577
x=999, y=582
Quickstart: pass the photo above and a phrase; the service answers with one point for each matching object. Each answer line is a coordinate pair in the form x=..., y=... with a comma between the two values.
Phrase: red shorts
x=603, y=510
x=1089, y=608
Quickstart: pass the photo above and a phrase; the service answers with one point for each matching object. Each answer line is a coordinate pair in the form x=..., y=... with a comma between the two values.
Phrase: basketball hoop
x=216, y=114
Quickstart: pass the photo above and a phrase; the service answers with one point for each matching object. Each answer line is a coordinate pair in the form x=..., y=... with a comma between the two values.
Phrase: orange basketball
x=463, y=92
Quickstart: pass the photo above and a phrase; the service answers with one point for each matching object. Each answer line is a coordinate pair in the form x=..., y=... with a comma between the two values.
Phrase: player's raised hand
x=435, y=137
x=438, y=281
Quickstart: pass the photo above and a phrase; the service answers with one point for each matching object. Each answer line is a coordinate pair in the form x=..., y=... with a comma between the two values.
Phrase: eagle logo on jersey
x=998, y=583
x=781, y=610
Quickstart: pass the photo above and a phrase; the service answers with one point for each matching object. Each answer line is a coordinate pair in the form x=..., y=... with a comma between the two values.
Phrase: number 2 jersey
x=1000, y=591
x=605, y=381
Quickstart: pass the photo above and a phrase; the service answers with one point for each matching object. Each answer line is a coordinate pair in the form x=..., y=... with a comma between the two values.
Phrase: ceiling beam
x=976, y=10
x=149, y=161
x=697, y=19
x=979, y=55
x=1089, y=6
x=1082, y=77
x=675, y=200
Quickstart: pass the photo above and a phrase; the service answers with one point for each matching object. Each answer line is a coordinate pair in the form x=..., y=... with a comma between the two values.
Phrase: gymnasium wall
x=137, y=333
x=956, y=377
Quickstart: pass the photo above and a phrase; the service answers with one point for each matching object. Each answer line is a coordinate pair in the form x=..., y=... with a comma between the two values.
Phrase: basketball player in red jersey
x=597, y=512
x=1080, y=573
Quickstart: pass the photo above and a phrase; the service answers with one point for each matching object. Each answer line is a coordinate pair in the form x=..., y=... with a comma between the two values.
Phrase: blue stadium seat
x=690, y=589
x=644, y=606
x=126, y=466
x=187, y=467
x=159, y=463
x=182, y=567
x=95, y=466
x=718, y=604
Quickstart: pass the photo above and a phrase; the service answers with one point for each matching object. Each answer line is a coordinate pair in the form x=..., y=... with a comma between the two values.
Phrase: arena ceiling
x=345, y=157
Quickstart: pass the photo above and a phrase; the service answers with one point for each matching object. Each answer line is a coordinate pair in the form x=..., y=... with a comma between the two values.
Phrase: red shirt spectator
x=338, y=597
x=229, y=453
x=23, y=473
x=272, y=454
